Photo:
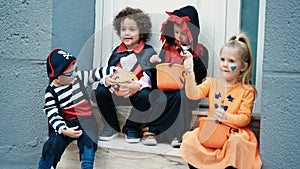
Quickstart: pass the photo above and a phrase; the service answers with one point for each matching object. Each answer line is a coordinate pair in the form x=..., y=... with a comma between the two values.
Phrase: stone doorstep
x=141, y=156
x=119, y=143
x=117, y=153
x=118, y=149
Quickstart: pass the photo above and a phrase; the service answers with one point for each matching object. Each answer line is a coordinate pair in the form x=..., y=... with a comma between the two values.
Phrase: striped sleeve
x=51, y=110
x=97, y=74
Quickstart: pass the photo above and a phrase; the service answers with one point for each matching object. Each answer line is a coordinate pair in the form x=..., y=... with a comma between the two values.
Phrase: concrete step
x=119, y=143
x=118, y=153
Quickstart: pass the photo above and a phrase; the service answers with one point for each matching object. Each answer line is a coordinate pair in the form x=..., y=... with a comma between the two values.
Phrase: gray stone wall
x=25, y=39
x=73, y=27
x=29, y=30
x=281, y=86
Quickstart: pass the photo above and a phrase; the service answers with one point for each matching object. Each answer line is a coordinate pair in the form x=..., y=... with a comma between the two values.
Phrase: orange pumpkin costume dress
x=241, y=149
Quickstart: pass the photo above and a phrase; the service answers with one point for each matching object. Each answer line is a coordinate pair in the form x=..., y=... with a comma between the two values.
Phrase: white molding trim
x=97, y=32
x=103, y=32
x=233, y=17
x=260, y=55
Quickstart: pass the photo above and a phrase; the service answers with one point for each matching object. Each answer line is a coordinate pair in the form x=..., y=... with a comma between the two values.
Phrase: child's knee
x=88, y=152
x=54, y=145
x=235, y=139
x=100, y=90
x=87, y=157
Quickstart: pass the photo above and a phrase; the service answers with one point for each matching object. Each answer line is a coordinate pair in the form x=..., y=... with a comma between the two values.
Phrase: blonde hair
x=241, y=43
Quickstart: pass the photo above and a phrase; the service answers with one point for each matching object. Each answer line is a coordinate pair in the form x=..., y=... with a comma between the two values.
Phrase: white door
x=218, y=20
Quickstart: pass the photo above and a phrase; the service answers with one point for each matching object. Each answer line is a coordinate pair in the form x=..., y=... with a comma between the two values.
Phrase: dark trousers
x=171, y=115
x=164, y=111
x=107, y=103
x=87, y=143
x=191, y=167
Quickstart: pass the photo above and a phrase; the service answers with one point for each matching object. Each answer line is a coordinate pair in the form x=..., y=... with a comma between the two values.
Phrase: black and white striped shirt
x=71, y=97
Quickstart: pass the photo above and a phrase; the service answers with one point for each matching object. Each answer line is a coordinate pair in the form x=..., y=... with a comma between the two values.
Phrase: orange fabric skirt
x=240, y=151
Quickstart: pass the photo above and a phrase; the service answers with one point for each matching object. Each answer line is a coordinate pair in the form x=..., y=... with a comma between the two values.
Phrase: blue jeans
x=46, y=163
x=87, y=159
x=55, y=146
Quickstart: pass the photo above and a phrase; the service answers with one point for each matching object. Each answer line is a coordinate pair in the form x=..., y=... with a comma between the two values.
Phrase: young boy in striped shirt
x=68, y=109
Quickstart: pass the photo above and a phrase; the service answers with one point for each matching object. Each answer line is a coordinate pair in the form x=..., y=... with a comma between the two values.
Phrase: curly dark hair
x=143, y=21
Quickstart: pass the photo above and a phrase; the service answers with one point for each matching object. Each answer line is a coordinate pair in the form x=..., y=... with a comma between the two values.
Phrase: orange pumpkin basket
x=214, y=133
x=170, y=76
x=121, y=77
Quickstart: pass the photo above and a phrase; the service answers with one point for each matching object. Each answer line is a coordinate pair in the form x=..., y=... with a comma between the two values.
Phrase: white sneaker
x=108, y=134
x=149, y=141
x=175, y=143
x=132, y=136
x=132, y=140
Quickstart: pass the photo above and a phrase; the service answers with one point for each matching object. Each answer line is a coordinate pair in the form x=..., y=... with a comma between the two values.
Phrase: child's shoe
x=132, y=136
x=108, y=134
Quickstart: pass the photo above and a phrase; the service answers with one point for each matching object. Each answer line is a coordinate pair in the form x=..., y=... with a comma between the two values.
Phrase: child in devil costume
x=179, y=33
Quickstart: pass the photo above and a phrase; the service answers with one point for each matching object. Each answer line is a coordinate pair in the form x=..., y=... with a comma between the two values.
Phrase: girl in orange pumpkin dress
x=241, y=149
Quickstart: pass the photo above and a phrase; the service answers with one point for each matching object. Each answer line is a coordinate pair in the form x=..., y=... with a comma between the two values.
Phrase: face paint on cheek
x=233, y=68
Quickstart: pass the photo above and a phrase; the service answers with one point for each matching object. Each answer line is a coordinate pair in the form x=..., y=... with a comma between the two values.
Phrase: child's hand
x=72, y=132
x=155, y=59
x=188, y=63
x=186, y=54
x=109, y=81
x=220, y=114
x=129, y=88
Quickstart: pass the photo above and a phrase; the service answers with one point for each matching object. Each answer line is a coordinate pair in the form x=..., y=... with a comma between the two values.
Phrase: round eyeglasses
x=69, y=74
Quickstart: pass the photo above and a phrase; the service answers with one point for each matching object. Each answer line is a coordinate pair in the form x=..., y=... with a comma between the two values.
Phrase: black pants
x=107, y=103
x=170, y=115
x=191, y=167
x=56, y=144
